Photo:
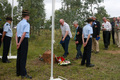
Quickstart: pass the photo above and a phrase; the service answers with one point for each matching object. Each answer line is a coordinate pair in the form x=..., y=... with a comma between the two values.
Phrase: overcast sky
x=112, y=7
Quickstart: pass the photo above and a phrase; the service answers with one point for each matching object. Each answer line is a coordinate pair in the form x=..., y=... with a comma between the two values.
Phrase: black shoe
x=82, y=64
x=26, y=76
x=64, y=56
x=96, y=52
x=91, y=65
x=75, y=58
x=18, y=75
x=67, y=53
x=80, y=57
x=105, y=48
x=7, y=61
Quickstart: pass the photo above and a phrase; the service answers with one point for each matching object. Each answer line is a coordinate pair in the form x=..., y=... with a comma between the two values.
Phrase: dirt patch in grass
x=113, y=52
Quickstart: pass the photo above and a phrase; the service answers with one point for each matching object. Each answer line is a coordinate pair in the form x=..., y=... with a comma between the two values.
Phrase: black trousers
x=6, y=46
x=0, y=39
x=87, y=52
x=22, y=57
x=106, y=38
x=113, y=38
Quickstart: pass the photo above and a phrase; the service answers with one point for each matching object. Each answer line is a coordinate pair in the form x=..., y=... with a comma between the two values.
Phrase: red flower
x=116, y=25
x=62, y=59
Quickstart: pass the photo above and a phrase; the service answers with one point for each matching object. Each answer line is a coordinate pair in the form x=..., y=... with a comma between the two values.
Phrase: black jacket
x=79, y=35
x=96, y=29
x=1, y=30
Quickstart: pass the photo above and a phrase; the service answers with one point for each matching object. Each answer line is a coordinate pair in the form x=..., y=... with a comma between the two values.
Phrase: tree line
x=71, y=10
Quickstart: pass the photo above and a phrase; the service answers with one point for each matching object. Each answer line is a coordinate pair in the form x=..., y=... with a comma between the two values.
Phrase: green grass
x=107, y=65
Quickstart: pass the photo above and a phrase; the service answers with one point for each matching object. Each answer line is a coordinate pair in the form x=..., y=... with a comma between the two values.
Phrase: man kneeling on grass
x=87, y=43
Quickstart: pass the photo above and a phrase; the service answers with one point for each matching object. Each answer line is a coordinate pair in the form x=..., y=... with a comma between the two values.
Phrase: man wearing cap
x=78, y=39
x=87, y=43
x=113, y=31
x=66, y=35
x=117, y=33
x=22, y=35
x=6, y=39
x=1, y=31
x=106, y=28
x=96, y=32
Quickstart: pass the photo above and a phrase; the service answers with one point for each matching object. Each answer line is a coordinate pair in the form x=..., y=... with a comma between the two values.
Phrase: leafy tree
x=78, y=10
x=37, y=12
x=101, y=13
x=5, y=10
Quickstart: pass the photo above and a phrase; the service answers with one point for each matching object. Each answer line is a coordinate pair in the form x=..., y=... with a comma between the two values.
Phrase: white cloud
x=48, y=7
x=112, y=7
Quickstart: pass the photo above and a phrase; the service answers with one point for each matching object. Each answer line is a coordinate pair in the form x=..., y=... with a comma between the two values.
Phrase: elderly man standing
x=106, y=28
x=117, y=32
x=96, y=32
x=66, y=35
x=113, y=31
x=78, y=39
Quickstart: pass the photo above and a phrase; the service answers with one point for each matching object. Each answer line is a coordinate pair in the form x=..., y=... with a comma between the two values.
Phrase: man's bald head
x=118, y=18
x=61, y=21
x=104, y=19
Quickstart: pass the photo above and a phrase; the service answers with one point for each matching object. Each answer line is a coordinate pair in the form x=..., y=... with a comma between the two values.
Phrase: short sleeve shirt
x=23, y=26
x=65, y=28
x=8, y=30
x=87, y=30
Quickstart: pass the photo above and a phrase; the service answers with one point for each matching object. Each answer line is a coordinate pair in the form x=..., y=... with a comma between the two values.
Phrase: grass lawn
x=107, y=63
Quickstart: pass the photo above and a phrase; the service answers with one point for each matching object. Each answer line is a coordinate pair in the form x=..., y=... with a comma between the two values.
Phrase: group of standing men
x=22, y=35
x=85, y=36
x=116, y=31
x=89, y=36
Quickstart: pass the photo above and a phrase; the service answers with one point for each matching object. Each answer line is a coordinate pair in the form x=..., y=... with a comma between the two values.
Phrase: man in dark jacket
x=113, y=25
x=78, y=39
x=96, y=32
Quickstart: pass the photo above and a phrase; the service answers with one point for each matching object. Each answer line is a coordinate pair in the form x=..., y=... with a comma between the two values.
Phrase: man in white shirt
x=106, y=28
x=66, y=35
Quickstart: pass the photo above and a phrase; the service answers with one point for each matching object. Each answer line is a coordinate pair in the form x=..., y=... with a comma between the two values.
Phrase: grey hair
x=104, y=18
x=75, y=22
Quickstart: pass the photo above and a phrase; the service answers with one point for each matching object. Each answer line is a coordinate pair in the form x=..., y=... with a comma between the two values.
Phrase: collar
x=77, y=27
x=89, y=24
x=24, y=20
x=8, y=23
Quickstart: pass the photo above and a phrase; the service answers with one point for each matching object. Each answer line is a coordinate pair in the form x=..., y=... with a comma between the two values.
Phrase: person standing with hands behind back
x=22, y=35
x=87, y=43
x=6, y=39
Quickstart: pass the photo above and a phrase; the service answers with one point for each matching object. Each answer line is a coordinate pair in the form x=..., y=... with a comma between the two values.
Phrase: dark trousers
x=113, y=38
x=6, y=46
x=0, y=39
x=106, y=38
x=78, y=48
x=22, y=57
x=109, y=37
x=87, y=52
x=65, y=45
